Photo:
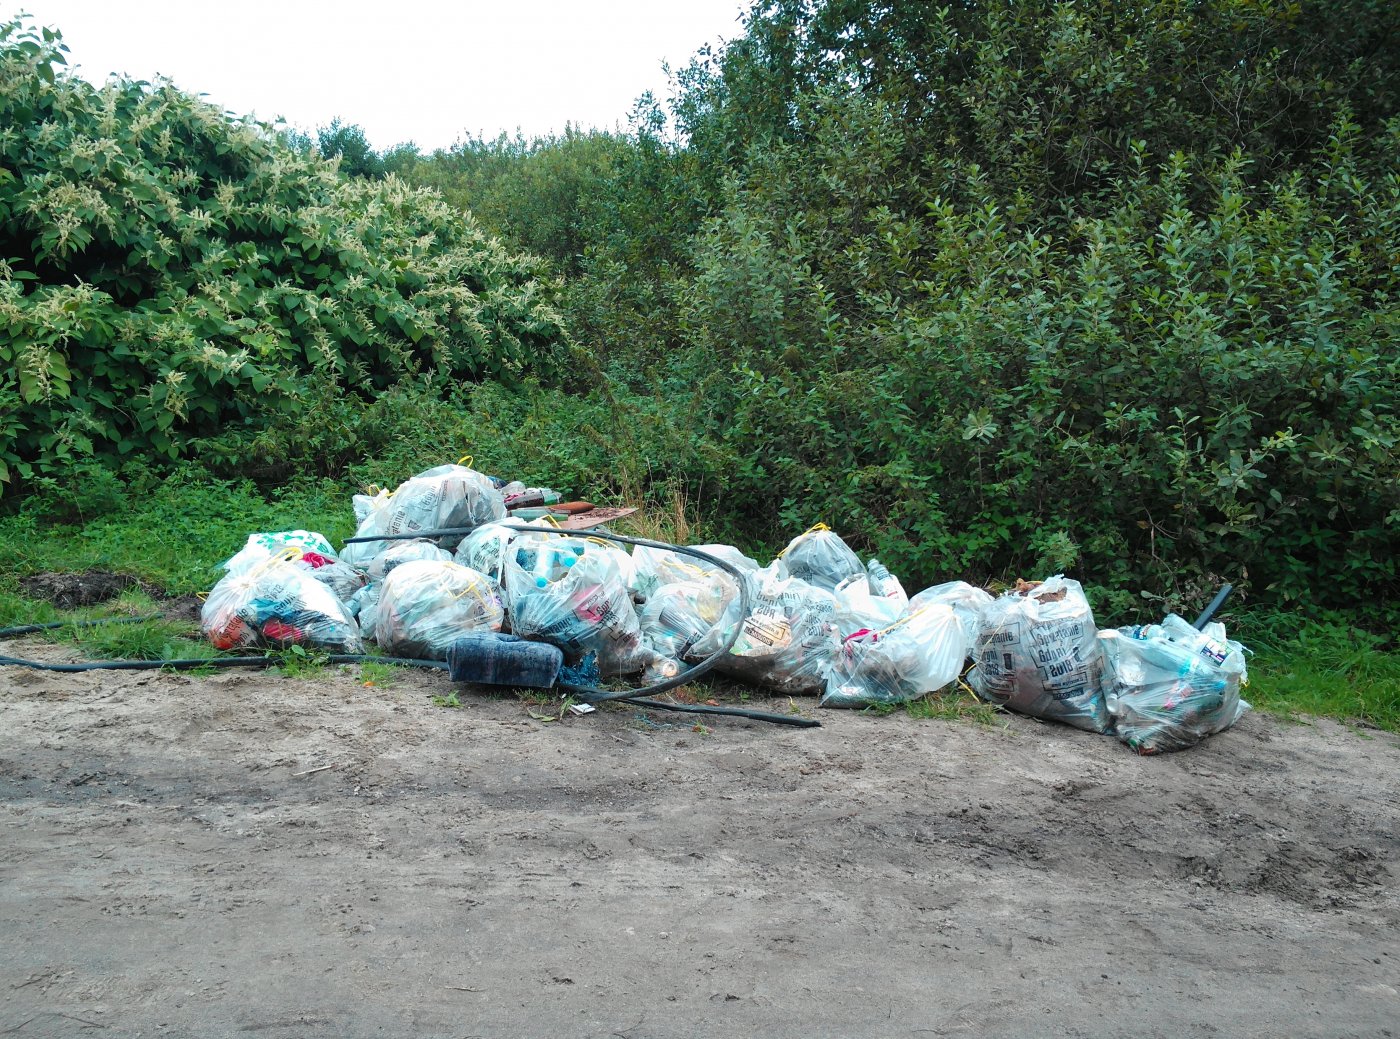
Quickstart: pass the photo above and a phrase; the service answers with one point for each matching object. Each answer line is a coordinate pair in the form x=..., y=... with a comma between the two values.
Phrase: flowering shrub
x=167, y=270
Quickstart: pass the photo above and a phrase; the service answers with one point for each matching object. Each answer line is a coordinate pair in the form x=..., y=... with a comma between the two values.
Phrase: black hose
x=734, y=712
x=30, y=629
x=639, y=697
x=194, y=663
x=1214, y=606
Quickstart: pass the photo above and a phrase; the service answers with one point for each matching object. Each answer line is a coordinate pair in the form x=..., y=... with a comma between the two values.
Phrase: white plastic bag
x=371, y=517
x=573, y=594
x=819, y=557
x=1038, y=653
x=682, y=613
x=365, y=602
x=305, y=550
x=918, y=655
x=858, y=607
x=396, y=553
x=655, y=567
x=967, y=602
x=259, y=548
x=485, y=548
x=277, y=603
x=426, y=605
x=438, y=498
x=786, y=640
x=1171, y=686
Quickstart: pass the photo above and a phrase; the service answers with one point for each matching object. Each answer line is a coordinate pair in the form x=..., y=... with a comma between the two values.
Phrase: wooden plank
x=595, y=517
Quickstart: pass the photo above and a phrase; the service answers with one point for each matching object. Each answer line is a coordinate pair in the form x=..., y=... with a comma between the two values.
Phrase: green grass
x=147, y=640
x=173, y=534
x=955, y=705
x=373, y=673
x=301, y=662
x=1327, y=667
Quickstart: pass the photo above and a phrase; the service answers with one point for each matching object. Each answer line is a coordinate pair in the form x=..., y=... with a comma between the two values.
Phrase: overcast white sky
x=407, y=70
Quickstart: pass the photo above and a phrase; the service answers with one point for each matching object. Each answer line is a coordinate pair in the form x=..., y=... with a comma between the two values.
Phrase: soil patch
x=181, y=608
x=172, y=867
x=69, y=591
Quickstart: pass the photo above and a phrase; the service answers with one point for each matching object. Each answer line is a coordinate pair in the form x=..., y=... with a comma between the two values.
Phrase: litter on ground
x=530, y=600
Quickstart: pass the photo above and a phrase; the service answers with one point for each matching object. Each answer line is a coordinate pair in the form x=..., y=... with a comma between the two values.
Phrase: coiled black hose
x=640, y=697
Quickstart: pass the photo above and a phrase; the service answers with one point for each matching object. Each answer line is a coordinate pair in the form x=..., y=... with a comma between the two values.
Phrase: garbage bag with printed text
x=1038, y=653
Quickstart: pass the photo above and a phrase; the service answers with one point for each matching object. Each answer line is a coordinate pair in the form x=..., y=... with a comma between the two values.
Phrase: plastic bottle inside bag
x=549, y=562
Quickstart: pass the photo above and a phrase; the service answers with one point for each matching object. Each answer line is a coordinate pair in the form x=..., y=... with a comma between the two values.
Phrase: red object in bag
x=279, y=631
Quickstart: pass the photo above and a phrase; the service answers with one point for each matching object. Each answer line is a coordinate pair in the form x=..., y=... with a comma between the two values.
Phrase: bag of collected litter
x=305, y=549
x=680, y=614
x=340, y=577
x=654, y=567
x=396, y=553
x=437, y=498
x=485, y=548
x=729, y=554
x=259, y=548
x=859, y=608
x=967, y=602
x=1038, y=653
x=572, y=593
x=426, y=605
x=364, y=604
x=364, y=607
x=371, y=517
x=819, y=556
x=277, y=603
x=1171, y=686
x=915, y=656
x=786, y=640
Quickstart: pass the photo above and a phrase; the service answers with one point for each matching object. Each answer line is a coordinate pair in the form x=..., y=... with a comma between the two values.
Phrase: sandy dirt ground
x=164, y=871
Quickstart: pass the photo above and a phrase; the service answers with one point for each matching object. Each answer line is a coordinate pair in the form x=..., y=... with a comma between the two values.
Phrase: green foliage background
x=167, y=272
x=992, y=288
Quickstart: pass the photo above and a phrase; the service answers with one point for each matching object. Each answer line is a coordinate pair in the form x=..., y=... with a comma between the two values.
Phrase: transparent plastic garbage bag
x=680, y=614
x=819, y=557
x=277, y=603
x=485, y=548
x=1171, y=686
x=437, y=498
x=1038, y=653
x=426, y=605
x=573, y=593
x=967, y=602
x=917, y=655
x=785, y=641
x=365, y=602
x=655, y=567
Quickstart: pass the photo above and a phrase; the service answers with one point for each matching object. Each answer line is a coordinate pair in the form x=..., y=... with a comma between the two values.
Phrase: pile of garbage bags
x=818, y=621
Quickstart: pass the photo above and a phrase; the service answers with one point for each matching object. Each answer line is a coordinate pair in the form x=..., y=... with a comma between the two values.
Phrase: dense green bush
x=166, y=270
x=615, y=213
x=1002, y=332
x=1016, y=287
x=1165, y=393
